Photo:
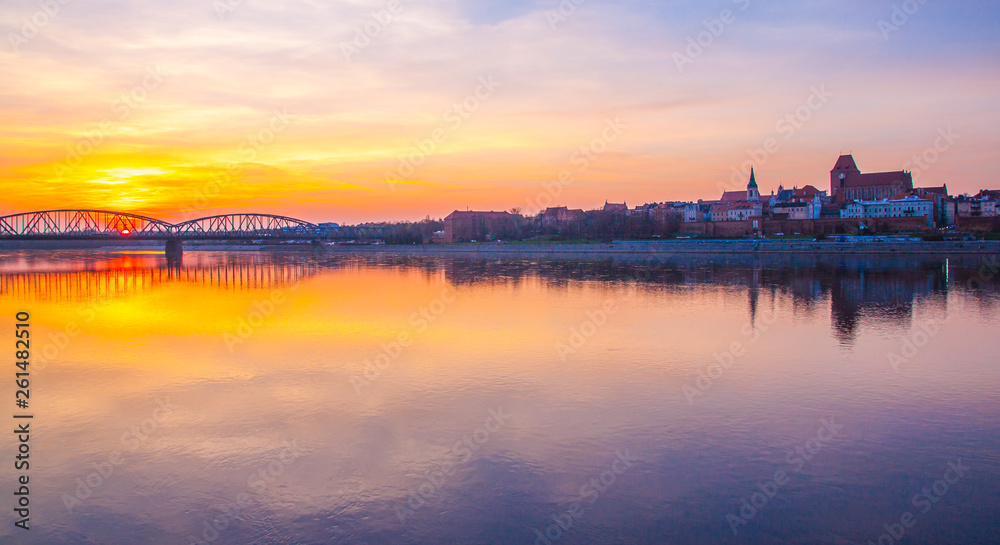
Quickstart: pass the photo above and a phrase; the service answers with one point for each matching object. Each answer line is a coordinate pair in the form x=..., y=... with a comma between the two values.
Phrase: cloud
x=226, y=71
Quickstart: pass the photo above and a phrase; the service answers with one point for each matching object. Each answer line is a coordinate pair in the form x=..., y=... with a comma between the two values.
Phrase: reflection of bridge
x=100, y=224
x=128, y=275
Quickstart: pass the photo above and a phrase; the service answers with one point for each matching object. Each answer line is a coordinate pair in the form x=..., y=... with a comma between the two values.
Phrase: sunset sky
x=311, y=108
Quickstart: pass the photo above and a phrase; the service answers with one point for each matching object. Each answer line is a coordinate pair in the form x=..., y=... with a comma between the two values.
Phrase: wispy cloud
x=224, y=75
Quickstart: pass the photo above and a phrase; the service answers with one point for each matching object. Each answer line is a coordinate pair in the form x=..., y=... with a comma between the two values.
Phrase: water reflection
x=79, y=277
x=857, y=289
x=260, y=397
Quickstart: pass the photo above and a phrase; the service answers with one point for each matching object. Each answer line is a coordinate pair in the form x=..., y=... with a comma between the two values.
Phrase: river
x=300, y=397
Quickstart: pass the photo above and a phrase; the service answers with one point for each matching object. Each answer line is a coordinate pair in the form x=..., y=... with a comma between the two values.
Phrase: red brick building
x=848, y=184
x=479, y=226
x=561, y=216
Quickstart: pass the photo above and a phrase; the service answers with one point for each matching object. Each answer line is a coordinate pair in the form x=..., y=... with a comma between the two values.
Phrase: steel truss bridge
x=102, y=224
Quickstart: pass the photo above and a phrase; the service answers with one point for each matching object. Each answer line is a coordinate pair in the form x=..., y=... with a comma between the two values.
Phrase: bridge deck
x=107, y=225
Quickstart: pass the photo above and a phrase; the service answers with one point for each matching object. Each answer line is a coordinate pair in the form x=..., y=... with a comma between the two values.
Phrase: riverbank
x=690, y=247
x=673, y=247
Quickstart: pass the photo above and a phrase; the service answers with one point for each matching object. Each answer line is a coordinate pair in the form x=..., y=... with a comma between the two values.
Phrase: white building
x=743, y=211
x=693, y=213
x=896, y=208
x=977, y=208
x=798, y=210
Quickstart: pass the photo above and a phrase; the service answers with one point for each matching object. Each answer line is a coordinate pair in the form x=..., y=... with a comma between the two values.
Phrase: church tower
x=753, y=193
x=845, y=173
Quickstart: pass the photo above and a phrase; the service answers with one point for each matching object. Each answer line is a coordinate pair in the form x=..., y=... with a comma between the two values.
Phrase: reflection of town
x=869, y=290
x=858, y=289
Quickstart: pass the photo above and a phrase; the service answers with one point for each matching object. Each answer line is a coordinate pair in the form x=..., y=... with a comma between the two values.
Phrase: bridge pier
x=174, y=249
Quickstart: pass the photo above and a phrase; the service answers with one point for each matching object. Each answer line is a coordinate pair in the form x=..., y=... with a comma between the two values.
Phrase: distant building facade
x=980, y=212
x=479, y=226
x=795, y=211
x=945, y=211
x=888, y=199
x=975, y=208
x=739, y=205
x=911, y=206
x=796, y=204
x=743, y=211
x=693, y=213
x=558, y=218
x=848, y=184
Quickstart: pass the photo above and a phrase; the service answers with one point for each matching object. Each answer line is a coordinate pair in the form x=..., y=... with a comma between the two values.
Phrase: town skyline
x=856, y=202
x=547, y=197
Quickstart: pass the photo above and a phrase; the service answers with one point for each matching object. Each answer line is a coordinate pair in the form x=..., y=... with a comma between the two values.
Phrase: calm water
x=299, y=398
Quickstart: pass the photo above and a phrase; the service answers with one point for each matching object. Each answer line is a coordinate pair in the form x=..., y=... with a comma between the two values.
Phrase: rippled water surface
x=258, y=397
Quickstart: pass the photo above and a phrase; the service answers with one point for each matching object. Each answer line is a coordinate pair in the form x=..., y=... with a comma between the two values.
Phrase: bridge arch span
x=81, y=223
x=262, y=225
x=102, y=224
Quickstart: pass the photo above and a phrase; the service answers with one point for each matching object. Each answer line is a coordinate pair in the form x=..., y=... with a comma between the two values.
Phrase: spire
x=753, y=193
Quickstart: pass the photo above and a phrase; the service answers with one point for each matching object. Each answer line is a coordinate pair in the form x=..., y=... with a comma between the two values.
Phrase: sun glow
x=256, y=115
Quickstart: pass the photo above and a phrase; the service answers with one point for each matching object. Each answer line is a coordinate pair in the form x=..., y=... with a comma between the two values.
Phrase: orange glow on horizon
x=246, y=116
